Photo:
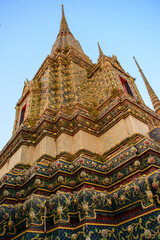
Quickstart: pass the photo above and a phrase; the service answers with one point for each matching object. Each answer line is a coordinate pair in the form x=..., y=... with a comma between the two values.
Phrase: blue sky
x=28, y=29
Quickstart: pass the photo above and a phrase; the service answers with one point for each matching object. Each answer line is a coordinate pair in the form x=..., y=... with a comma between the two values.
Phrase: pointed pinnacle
x=100, y=51
x=154, y=99
x=137, y=64
x=64, y=25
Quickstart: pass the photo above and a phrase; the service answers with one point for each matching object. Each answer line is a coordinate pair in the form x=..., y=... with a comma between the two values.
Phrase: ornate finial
x=137, y=64
x=100, y=51
x=62, y=10
x=64, y=25
x=154, y=99
x=65, y=39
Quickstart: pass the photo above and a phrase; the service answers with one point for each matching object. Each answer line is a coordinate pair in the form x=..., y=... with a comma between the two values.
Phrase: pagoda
x=83, y=162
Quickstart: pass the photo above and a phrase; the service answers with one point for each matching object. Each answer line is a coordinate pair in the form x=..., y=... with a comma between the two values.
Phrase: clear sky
x=28, y=29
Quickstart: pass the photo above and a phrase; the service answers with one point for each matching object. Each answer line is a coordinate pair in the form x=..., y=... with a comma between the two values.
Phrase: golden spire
x=154, y=99
x=64, y=26
x=65, y=40
x=100, y=51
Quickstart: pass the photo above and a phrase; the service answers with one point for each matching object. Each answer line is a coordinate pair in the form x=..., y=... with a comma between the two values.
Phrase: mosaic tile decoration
x=84, y=194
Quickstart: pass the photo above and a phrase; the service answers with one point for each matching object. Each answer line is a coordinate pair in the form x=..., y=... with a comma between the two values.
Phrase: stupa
x=83, y=161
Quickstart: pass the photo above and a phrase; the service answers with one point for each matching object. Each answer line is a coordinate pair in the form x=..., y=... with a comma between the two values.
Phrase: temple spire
x=64, y=26
x=65, y=41
x=101, y=54
x=154, y=99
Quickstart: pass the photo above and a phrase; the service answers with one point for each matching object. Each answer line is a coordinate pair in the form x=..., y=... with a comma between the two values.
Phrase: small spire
x=64, y=25
x=154, y=99
x=65, y=39
x=100, y=51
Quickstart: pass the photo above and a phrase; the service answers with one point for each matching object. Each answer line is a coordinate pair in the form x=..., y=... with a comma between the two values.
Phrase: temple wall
x=134, y=125
x=11, y=162
x=113, y=136
x=81, y=140
x=46, y=146
x=64, y=143
x=86, y=141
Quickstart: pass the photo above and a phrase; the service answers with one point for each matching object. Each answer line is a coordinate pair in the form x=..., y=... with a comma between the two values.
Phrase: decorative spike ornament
x=65, y=39
x=154, y=99
x=64, y=26
x=101, y=54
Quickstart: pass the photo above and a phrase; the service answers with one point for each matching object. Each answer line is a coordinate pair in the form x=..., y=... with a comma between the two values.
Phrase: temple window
x=126, y=86
x=23, y=110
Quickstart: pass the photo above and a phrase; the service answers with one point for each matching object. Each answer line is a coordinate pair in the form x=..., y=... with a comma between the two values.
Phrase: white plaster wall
x=87, y=141
x=113, y=136
x=77, y=142
x=136, y=126
x=51, y=148
x=64, y=143
x=27, y=154
x=40, y=149
x=16, y=158
x=129, y=125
